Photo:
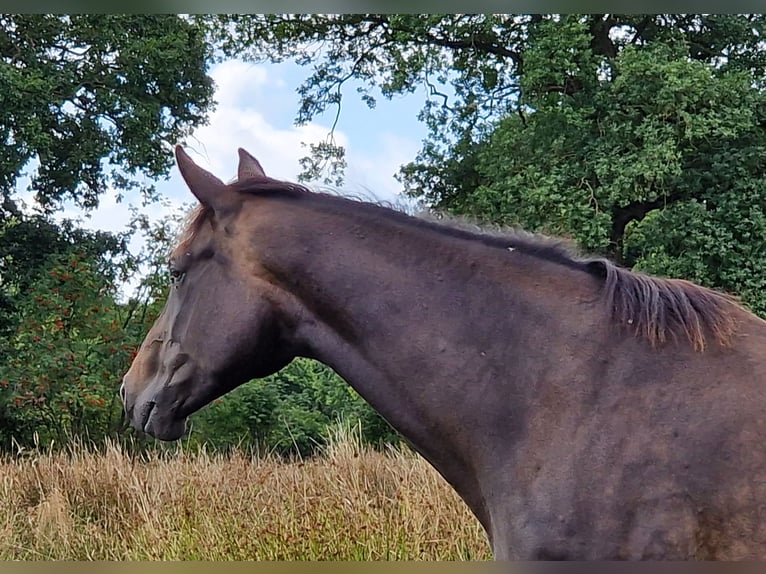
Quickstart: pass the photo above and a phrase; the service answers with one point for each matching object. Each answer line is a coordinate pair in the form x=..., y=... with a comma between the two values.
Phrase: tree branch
x=634, y=211
x=600, y=27
x=483, y=45
x=641, y=28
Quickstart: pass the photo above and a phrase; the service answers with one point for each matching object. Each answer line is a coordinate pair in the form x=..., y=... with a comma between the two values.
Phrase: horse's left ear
x=206, y=187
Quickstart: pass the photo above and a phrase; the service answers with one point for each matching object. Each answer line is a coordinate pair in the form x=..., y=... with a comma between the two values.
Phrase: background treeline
x=640, y=137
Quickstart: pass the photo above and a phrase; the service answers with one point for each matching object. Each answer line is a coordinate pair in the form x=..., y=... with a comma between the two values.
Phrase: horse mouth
x=162, y=426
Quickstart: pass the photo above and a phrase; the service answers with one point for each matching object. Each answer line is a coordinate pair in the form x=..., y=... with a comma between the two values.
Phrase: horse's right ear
x=206, y=187
x=249, y=167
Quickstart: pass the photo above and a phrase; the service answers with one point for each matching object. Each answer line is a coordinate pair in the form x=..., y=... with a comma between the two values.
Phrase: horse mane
x=655, y=308
x=660, y=309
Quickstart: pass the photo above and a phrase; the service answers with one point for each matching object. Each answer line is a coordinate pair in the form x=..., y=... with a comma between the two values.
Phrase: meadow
x=349, y=503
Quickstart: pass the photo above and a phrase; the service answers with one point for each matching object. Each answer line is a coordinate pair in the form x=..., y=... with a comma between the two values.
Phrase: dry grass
x=350, y=504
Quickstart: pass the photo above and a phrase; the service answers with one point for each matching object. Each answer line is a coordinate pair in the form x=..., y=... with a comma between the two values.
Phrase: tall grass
x=351, y=503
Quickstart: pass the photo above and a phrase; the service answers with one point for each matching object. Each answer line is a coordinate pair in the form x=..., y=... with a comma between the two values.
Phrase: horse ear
x=206, y=187
x=249, y=167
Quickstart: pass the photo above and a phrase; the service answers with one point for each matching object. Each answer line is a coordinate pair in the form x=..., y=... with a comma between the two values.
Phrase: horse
x=580, y=409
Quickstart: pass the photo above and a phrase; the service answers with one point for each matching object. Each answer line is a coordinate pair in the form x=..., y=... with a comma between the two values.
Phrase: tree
x=86, y=101
x=661, y=167
x=395, y=53
x=640, y=136
x=95, y=99
x=28, y=242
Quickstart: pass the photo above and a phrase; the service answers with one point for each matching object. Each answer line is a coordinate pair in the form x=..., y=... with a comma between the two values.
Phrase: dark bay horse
x=581, y=410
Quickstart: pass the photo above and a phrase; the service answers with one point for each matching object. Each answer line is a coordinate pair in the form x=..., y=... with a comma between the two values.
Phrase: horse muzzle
x=154, y=412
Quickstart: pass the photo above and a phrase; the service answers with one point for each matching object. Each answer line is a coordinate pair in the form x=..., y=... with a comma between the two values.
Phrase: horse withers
x=581, y=410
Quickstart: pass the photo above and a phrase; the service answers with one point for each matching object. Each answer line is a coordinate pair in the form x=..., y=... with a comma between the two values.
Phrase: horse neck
x=431, y=330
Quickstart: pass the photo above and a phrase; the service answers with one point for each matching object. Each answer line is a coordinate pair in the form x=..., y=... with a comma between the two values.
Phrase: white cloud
x=237, y=82
x=240, y=120
x=214, y=146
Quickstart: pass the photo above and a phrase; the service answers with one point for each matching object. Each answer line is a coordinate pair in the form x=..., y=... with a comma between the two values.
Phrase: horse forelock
x=191, y=226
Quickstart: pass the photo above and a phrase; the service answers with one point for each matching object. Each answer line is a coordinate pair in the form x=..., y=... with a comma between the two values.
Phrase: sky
x=256, y=108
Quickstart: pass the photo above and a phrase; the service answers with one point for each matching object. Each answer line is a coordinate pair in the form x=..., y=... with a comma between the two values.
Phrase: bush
x=289, y=413
x=60, y=377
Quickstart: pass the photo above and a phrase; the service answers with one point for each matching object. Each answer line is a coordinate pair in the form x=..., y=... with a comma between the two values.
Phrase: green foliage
x=67, y=336
x=89, y=101
x=58, y=380
x=27, y=242
x=658, y=163
x=86, y=101
x=95, y=98
x=288, y=413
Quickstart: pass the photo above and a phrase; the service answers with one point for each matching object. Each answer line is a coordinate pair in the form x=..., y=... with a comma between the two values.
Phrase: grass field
x=351, y=503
